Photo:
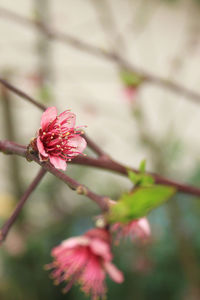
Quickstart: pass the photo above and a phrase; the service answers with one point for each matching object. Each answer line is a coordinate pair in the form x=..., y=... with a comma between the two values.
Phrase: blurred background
x=131, y=118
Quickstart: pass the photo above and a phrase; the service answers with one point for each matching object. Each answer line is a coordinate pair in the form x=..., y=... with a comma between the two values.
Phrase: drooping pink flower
x=58, y=139
x=85, y=259
x=136, y=229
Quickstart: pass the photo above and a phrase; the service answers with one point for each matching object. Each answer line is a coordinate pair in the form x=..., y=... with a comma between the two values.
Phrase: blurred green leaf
x=142, y=166
x=140, y=179
x=130, y=78
x=139, y=203
x=133, y=176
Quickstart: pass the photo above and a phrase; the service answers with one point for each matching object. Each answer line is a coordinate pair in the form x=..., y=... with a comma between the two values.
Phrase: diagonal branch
x=102, y=53
x=21, y=94
x=8, y=224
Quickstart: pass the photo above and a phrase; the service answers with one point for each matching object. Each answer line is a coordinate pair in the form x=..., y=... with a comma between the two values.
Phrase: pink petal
x=58, y=163
x=40, y=147
x=114, y=273
x=68, y=117
x=101, y=248
x=48, y=116
x=76, y=241
x=78, y=142
x=92, y=278
x=143, y=224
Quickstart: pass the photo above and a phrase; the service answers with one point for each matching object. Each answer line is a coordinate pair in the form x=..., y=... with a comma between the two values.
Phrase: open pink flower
x=85, y=259
x=58, y=140
x=139, y=228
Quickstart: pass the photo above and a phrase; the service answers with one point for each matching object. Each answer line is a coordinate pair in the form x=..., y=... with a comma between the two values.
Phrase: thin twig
x=81, y=189
x=102, y=53
x=22, y=94
x=8, y=224
x=107, y=164
x=106, y=19
x=92, y=145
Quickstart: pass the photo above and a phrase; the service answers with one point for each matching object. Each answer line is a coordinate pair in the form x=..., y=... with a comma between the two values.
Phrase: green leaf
x=134, y=177
x=139, y=203
x=130, y=78
x=142, y=166
x=147, y=180
x=140, y=179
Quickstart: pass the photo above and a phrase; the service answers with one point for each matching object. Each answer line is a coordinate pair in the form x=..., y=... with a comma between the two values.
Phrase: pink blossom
x=58, y=140
x=139, y=228
x=85, y=259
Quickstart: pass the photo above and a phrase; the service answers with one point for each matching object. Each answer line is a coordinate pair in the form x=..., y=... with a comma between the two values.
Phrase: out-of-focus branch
x=106, y=19
x=8, y=147
x=102, y=53
x=43, y=51
x=11, y=134
x=8, y=224
x=42, y=42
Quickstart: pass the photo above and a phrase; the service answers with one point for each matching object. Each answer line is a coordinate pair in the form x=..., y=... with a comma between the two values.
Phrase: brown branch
x=102, y=163
x=110, y=56
x=8, y=224
x=22, y=94
x=106, y=19
x=8, y=147
x=92, y=145
x=109, y=164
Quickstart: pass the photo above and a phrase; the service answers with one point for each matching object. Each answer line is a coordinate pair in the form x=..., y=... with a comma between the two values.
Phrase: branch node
x=100, y=221
x=105, y=157
x=82, y=190
x=31, y=150
x=28, y=156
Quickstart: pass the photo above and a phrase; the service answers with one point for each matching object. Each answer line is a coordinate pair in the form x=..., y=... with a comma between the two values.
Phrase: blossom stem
x=8, y=224
x=8, y=147
x=101, y=53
